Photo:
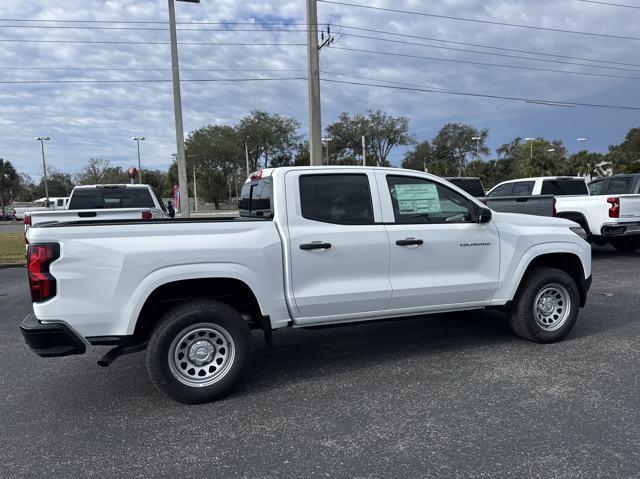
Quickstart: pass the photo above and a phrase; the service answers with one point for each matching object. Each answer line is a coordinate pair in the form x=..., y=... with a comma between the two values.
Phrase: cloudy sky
x=98, y=40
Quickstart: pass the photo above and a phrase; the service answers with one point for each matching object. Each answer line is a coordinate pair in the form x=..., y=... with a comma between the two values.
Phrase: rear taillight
x=555, y=209
x=27, y=219
x=256, y=176
x=146, y=215
x=614, y=209
x=41, y=283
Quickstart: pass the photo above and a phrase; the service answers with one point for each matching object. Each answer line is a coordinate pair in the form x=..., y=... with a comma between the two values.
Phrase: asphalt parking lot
x=446, y=396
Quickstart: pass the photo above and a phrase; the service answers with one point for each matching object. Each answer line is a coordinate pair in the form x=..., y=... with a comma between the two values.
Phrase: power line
x=495, y=97
x=146, y=22
x=155, y=29
x=488, y=53
x=147, y=80
x=499, y=65
x=488, y=22
x=156, y=69
x=129, y=42
x=611, y=4
x=490, y=47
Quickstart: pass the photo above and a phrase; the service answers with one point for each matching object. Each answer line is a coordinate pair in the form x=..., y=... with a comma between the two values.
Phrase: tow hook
x=118, y=351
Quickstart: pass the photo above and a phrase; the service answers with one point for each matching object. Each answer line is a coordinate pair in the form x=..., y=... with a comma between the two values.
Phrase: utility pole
x=246, y=155
x=313, y=57
x=42, y=139
x=138, y=139
x=364, y=150
x=177, y=106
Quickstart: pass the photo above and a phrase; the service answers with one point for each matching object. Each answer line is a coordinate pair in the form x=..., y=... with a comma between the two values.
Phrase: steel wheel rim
x=552, y=307
x=201, y=355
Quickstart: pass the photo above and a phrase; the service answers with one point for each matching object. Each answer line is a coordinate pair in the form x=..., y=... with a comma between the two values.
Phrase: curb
x=12, y=265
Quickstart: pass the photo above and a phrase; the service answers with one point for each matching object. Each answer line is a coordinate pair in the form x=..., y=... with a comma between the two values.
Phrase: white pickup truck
x=313, y=246
x=608, y=216
x=104, y=202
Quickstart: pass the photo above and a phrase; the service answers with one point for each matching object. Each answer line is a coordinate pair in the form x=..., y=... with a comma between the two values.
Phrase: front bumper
x=584, y=289
x=610, y=230
x=50, y=339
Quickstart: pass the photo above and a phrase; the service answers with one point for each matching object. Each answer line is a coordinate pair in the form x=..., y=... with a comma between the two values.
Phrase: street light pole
x=477, y=139
x=177, y=106
x=246, y=156
x=195, y=188
x=138, y=139
x=531, y=154
x=326, y=142
x=42, y=139
x=584, y=141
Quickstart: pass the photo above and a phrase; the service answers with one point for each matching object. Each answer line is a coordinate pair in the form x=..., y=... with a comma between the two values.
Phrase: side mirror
x=483, y=215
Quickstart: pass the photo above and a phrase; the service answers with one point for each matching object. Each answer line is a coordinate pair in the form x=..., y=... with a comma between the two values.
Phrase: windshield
x=117, y=197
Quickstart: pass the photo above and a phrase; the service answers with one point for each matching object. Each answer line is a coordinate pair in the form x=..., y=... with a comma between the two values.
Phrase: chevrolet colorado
x=313, y=246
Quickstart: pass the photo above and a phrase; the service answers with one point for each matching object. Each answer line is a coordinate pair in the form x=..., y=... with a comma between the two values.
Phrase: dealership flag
x=176, y=197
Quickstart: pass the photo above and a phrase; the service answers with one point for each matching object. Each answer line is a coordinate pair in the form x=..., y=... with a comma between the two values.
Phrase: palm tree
x=8, y=180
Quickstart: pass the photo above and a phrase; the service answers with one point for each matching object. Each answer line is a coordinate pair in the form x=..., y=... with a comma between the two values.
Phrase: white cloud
x=97, y=120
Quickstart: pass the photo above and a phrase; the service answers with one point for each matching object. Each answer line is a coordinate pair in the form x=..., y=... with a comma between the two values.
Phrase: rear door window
x=619, y=186
x=502, y=190
x=523, y=188
x=336, y=198
x=597, y=187
x=564, y=187
x=117, y=197
x=470, y=185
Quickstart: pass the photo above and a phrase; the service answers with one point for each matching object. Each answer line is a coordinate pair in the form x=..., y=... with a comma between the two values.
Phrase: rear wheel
x=626, y=245
x=198, y=351
x=546, y=306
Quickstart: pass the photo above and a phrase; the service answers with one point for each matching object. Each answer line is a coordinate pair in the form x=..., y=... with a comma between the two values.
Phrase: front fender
x=512, y=276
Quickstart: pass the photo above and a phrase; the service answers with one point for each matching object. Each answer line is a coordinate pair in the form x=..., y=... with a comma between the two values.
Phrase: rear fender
x=271, y=305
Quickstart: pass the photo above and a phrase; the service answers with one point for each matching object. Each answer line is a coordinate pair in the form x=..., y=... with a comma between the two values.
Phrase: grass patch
x=11, y=248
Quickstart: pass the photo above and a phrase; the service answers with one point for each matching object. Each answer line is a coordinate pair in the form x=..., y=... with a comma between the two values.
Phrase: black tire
x=526, y=321
x=220, y=324
x=626, y=245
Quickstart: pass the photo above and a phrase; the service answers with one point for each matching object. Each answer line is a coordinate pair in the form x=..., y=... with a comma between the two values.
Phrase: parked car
x=313, y=247
x=611, y=217
x=105, y=202
x=42, y=204
x=542, y=205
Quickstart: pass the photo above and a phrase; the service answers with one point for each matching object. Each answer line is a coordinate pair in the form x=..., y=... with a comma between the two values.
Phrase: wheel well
x=233, y=292
x=578, y=218
x=567, y=262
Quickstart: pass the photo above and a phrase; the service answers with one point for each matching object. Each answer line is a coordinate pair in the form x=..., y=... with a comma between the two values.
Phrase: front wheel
x=546, y=306
x=626, y=245
x=198, y=351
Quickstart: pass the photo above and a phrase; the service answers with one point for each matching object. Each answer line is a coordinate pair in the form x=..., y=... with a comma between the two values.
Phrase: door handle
x=315, y=246
x=410, y=242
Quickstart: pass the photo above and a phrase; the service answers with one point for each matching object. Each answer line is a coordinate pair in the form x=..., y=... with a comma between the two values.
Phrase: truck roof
x=123, y=185
x=269, y=172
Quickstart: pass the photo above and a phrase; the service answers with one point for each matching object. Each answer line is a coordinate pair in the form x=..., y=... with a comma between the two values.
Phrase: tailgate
x=630, y=207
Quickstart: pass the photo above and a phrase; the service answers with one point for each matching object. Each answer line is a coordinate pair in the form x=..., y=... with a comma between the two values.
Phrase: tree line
x=217, y=155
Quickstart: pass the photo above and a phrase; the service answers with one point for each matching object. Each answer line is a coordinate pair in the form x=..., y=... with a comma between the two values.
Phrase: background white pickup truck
x=606, y=214
x=315, y=246
x=104, y=202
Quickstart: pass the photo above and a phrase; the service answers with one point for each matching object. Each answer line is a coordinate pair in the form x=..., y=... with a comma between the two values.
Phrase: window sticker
x=418, y=198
